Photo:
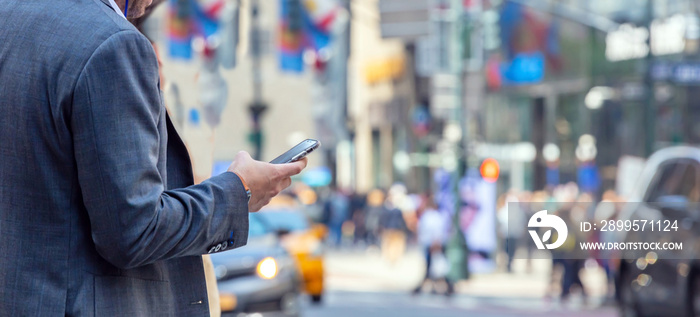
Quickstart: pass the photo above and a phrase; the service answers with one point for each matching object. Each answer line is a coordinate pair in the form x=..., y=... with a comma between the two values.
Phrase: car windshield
x=271, y=221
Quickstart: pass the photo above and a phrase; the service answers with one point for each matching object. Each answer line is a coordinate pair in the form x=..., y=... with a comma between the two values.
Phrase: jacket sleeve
x=118, y=125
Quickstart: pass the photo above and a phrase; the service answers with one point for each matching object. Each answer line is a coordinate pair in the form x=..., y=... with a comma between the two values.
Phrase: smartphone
x=297, y=152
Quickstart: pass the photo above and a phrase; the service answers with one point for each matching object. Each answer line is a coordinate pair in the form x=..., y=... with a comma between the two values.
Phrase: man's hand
x=265, y=180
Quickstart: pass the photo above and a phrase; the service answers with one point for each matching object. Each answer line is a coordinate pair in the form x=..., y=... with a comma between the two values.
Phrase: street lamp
x=258, y=107
x=597, y=96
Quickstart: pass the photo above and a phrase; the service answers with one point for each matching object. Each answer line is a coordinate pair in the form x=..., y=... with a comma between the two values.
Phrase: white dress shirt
x=116, y=8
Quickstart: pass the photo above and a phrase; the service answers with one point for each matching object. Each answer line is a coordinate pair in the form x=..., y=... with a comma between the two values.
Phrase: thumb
x=243, y=155
x=293, y=168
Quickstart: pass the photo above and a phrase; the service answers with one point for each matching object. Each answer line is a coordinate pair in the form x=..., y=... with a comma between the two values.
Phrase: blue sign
x=317, y=176
x=552, y=176
x=194, y=116
x=220, y=167
x=588, y=178
x=525, y=68
x=686, y=73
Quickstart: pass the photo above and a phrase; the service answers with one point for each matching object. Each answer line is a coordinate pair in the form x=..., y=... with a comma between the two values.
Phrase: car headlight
x=267, y=268
x=228, y=302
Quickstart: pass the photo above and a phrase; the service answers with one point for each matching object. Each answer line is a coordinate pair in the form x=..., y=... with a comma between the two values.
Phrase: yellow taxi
x=301, y=239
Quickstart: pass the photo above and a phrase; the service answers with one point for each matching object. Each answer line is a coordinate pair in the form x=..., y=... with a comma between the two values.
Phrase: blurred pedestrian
x=337, y=209
x=374, y=210
x=432, y=238
x=393, y=231
x=511, y=220
x=98, y=212
x=607, y=210
x=358, y=204
x=573, y=210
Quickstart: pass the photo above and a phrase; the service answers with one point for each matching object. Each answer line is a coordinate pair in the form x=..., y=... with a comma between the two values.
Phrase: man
x=199, y=176
x=97, y=215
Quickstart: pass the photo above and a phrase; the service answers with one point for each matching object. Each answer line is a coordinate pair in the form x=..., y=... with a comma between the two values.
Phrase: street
x=360, y=283
x=342, y=304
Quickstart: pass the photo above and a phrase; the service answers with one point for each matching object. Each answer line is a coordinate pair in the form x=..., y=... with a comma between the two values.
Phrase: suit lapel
x=179, y=166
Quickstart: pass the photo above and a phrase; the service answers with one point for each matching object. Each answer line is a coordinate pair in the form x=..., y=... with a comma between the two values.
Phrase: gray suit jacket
x=97, y=215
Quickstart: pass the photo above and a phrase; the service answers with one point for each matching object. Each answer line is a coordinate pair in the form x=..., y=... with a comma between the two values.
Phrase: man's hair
x=138, y=22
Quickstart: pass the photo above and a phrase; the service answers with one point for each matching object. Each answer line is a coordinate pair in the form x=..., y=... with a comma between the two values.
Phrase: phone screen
x=297, y=152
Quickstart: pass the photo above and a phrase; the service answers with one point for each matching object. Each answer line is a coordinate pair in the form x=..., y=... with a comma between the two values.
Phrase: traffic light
x=490, y=170
x=255, y=137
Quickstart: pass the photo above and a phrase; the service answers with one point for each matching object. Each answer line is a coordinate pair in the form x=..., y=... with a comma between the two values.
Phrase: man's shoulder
x=99, y=21
x=78, y=26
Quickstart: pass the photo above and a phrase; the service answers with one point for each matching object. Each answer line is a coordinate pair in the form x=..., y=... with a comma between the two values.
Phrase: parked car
x=302, y=240
x=260, y=277
x=663, y=282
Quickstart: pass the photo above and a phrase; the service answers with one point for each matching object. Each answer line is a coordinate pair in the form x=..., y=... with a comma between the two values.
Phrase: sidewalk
x=366, y=271
x=532, y=283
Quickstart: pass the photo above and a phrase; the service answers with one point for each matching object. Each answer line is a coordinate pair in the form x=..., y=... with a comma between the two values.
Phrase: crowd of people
x=378, y=219
x=390, y=220
x=515, y=208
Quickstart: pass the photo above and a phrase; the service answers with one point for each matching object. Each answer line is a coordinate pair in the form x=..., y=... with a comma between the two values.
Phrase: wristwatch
x=245, y=185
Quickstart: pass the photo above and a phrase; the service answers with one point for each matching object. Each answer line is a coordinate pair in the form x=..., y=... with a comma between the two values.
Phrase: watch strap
x=245, y=185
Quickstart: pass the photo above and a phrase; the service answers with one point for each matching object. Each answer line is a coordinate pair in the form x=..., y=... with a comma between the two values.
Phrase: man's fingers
x=293, y=168
x=286, y=182
x=303, y=161
x=299, y=166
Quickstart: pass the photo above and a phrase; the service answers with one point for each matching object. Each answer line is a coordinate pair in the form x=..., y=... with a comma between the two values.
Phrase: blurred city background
x=434, y=115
